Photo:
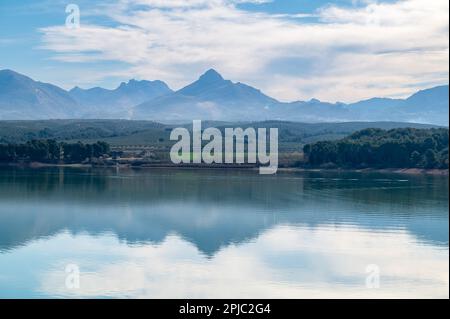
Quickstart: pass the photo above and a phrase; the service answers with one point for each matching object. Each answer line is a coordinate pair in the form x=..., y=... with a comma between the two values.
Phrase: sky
x=343, y=50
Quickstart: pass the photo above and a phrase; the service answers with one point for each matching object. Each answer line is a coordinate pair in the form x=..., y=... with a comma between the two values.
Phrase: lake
x=113, y=233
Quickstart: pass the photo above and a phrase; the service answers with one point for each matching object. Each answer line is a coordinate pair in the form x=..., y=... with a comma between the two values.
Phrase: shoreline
x=406, y=171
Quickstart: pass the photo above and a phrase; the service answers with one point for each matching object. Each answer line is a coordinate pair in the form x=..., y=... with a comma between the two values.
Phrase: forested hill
x=292, y=135
x=377, y=148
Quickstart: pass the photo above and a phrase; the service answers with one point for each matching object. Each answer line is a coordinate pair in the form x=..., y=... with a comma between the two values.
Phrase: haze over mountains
x=211, y=97
x=118, y=102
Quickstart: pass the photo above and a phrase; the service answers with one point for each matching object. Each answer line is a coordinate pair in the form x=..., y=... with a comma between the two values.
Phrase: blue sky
x=342, y=50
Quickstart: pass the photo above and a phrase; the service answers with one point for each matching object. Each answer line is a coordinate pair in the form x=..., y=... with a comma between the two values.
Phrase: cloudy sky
x=343, y=50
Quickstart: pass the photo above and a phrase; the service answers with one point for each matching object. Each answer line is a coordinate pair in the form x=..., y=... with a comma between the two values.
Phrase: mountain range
x=211, y=97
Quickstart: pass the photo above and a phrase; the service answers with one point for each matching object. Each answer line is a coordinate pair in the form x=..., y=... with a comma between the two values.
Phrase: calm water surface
x=200, y=234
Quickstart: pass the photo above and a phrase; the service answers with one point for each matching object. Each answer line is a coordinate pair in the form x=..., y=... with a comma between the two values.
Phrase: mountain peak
x=12, y=74
x=7, y=71
x=76, y=89
x=143, y=84
x=211, y=76
x=209, y=80
x=130, y=83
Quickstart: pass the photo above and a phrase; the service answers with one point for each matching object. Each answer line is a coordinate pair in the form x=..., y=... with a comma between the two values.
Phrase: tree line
x=377, y=148
x=51, y=151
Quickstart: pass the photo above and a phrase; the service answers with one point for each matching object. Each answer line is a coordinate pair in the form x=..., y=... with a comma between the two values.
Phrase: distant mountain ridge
x=121, y=100
x=23, y=98
x=211, y=97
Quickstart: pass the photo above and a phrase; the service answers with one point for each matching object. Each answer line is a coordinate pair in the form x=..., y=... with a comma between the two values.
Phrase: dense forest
x=377, y=148
x=51, y=151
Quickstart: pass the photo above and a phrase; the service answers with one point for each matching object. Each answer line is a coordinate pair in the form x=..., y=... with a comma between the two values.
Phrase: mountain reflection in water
x=293, y=219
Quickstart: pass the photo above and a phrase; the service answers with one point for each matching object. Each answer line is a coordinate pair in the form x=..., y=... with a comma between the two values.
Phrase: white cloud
x=385, y=49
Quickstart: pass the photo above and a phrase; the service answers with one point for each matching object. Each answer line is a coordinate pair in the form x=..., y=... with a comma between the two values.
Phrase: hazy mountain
x=213, y=98
x=429, y=105
x=24, y=98
x=210, y=97
x=434, y=99
x=313, y=111
x=426, y=106
x=118, y=103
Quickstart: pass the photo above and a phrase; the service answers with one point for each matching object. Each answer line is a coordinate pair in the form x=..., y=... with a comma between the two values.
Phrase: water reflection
x=153, y=233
